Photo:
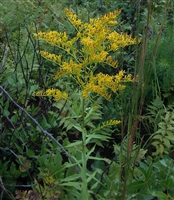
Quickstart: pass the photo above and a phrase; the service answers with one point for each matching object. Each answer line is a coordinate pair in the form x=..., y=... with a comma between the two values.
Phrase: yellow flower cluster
x=70, y=67
x=73, y=18
x=89, y=47
x=53, y=37
x=55, y=93
x=119, y=40
x=111, y=122
x=98, y=57
x=113, y=63
x=102, y=83
x=110, y=18
x=52, y=57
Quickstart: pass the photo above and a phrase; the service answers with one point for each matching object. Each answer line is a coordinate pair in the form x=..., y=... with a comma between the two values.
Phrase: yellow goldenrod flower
x=55, y=93
x=102, y=82
x=111, y=122
x=83, y=52
x=53, y=37
x=52, y=57
x=109, y=61
x=73, y=18
x=64, y=70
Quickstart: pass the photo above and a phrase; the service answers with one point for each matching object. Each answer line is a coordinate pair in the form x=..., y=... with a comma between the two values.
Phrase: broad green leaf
x=58, y=159
x=170, y=135
x=6, y=113
x=166, y=142
x=160, y=137
x=33, y=88
x=14, y=118
x=160, y=195
x=155, y=143
x=133, y=187
x=14, y=171
x=30, y=153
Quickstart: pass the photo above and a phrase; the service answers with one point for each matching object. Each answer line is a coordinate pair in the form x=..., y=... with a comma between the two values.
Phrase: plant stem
x=85, y=194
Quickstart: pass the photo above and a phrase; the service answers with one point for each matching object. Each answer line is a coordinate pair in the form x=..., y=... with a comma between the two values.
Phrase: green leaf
x=12, y=80
x=33, y=88
x=71, y=178
x=14, y=171
x=6, y=113
x=14, y=118
x=77, y=185
x=73, y=144
x=19, y=148
x=96, y=136
x=133, y=187
x=79, y=128
x=170, y=135
x=160, y=195
x=149, y=172
x=166, y=142
x=89, y=153
x=155, y=143
x=58, y=160
x=161, y=149
x=91, y=176
x=87, y=117
x=96, y=158
x=30, y=153
x=159, y=137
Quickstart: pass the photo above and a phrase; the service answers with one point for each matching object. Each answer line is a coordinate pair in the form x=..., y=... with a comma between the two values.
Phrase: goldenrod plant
x=80, y=58
x=92, y=45
x=68, y=145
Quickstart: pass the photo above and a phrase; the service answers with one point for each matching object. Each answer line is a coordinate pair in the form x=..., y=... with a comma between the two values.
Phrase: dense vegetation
x=86, y=99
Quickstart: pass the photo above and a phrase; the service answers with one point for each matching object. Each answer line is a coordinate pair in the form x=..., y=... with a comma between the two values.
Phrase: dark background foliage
x=23, y=70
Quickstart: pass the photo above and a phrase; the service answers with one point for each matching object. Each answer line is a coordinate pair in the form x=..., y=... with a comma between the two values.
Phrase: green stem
x=85, y=193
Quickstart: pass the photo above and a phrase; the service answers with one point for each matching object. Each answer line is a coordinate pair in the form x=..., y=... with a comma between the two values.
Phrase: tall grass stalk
x=142, y=69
